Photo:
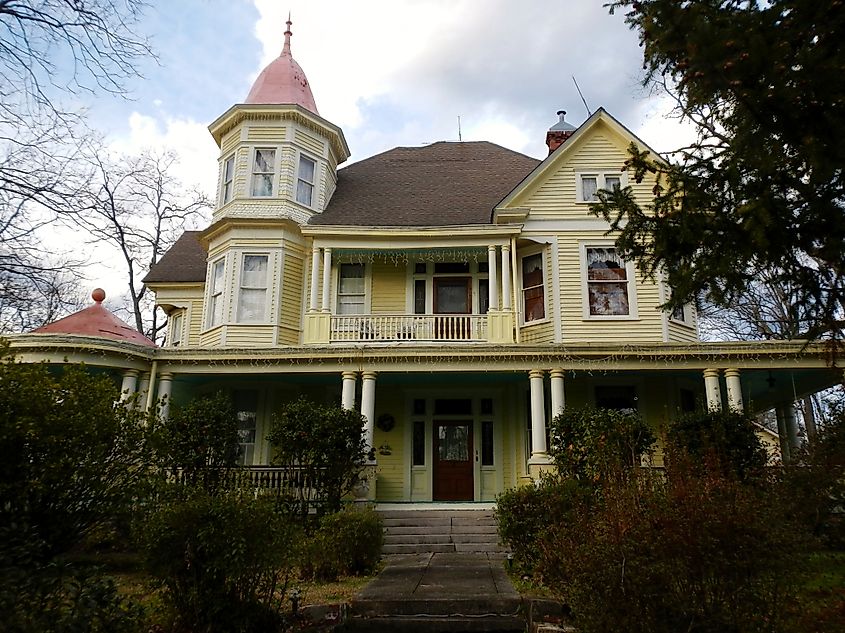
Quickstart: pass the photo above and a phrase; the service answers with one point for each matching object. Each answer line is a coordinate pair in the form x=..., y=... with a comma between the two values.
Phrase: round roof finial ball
x=98, y=295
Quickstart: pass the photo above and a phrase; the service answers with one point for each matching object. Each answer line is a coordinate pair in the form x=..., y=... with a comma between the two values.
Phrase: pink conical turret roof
x=95, y=320
x=283, y=81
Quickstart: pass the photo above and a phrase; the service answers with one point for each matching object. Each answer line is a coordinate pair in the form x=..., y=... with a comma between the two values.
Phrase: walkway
x=439, y=592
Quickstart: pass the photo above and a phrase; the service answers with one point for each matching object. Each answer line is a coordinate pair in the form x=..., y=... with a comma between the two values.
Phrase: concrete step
x=479, y=548
x=427, y=607
x=433, y=514
x=474, y=529
x=422, y=548
x=417, y=529
x=475, y=538
x=436, y=624
x=416, y=539
x=418, y=522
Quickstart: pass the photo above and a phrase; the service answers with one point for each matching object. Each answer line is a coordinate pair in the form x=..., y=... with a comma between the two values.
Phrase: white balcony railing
x=408, y=327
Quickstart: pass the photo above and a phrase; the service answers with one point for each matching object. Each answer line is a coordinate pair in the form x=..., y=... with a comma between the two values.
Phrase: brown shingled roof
x=441, y=184
x=185, y=261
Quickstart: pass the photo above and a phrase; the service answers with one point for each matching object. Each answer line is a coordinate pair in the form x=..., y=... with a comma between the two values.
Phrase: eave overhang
x=241, y=112
x=397, y=237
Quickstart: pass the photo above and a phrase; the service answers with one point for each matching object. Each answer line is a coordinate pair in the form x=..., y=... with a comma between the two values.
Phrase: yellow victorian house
x=458, y=294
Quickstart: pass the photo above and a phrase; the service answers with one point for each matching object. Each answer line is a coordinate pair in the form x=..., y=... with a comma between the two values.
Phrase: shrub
x=689, y=552
x=73, y=460
x=199, y=442
x=726, y=440
x=223, y=560
x=324, y=446
x=814, y=484
x=523, y=514
x=346, y=543
x=37, y=596
x=591, y=444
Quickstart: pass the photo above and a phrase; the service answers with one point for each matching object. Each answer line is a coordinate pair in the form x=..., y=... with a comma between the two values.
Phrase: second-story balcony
x=371, y=328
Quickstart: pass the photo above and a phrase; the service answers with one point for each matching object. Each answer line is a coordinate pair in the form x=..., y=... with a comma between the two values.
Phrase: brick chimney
x=559, y=132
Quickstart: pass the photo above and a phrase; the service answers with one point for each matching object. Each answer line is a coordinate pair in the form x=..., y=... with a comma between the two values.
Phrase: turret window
x=252, y=297
x=305, y=181
x=263, y=170
x=228, y=179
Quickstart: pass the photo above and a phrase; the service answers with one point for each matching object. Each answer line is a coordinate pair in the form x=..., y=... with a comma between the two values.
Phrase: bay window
x=252, y=294
x=305, y=181
x=228, y=179
x=215, y=297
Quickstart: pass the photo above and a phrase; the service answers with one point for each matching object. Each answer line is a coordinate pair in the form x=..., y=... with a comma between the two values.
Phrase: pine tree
x=762, y=188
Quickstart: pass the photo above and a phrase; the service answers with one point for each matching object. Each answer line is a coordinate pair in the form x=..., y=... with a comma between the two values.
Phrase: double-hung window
x=351, y=289
x=305, y=181
x=228, y=179
x=589, y=185
x=608, y=285
x=263, y=172
x=215, y=297
x=176, y=323
x=246, y=406
x=533, y=288
x=252, y=295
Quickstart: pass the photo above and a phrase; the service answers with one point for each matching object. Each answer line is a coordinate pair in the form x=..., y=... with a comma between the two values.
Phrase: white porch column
x=347, y=393
x=734, y=389
x=783, y=434
x=492, y=280
x=327, y=277
x=557, y=392
x=368, y=405
x=506, y=277
x=165, y=388
x=143, y=389
x=538, y=417
x=712, y=389
x=129, y=384
x=315, y=284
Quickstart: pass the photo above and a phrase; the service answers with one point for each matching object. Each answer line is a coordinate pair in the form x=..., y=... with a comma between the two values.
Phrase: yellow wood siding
x=388, y=288
x=682, y=333
x=230, y=141
x=539, y=333
x=392, y=469
x=212, y=338
x=291, y=297
x=249, y=335
x=310, y=143
x=265, y=134
x=196, y=312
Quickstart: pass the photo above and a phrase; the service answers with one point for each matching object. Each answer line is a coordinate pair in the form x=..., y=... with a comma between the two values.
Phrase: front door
x=453, y=461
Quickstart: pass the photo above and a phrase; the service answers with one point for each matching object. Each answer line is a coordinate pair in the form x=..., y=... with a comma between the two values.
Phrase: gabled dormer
x=278, y=156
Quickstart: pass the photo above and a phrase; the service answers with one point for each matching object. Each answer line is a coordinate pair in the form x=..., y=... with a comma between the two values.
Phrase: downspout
x=151, y=389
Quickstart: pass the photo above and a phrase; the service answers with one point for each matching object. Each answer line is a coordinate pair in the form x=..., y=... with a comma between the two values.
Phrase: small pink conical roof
x=283, y=81
x=95, y=320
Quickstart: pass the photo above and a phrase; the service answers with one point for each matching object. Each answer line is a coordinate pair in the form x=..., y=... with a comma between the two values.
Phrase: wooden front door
x=453, y=461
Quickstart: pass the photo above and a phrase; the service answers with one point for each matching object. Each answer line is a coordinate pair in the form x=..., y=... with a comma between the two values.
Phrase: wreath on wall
x=385, y=422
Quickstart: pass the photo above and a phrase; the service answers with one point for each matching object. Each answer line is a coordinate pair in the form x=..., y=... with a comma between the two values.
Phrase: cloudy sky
x=389, y=73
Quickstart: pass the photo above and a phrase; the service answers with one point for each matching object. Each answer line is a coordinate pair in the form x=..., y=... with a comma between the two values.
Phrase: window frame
x=216, y=296
x=601, y=183
x=227, y=187
x=630, y=284
x=303, y=156
x=242, y=286
x=273, y=173
x=534, y=252
x=366, y=307
x=177, y=327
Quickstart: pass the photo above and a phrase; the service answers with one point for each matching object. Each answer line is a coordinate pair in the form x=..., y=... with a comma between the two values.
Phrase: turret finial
x=286, y=47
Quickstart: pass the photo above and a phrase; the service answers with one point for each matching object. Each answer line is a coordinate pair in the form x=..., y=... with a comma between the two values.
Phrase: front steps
x=439, y=531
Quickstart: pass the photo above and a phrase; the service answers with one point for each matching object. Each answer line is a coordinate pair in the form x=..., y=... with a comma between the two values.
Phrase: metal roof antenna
x=589, y=114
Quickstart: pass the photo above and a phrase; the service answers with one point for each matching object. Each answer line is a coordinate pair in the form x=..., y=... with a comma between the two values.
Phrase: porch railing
x=408, y=327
